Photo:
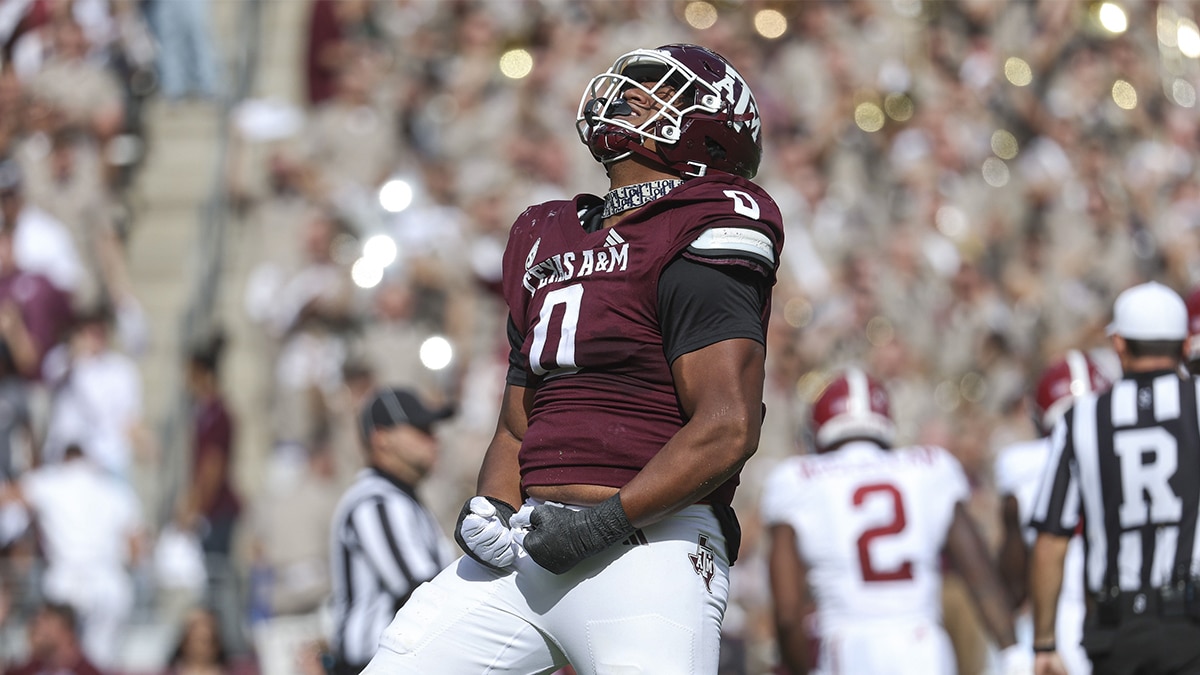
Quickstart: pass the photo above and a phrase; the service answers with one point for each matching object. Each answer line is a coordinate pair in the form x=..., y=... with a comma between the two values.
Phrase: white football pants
x=900, y=647
x=651, y=608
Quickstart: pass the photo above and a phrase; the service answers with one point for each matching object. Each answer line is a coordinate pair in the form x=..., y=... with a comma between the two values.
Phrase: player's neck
x=632, y=171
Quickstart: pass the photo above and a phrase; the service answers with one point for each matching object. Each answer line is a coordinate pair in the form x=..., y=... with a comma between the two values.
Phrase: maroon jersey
x=585, y=307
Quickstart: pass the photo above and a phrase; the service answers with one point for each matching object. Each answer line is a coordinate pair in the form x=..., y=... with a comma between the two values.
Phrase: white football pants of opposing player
x=652, y=607
x=873, y=646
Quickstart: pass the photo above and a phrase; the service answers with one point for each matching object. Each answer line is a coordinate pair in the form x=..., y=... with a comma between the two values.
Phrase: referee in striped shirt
x=1125, y=467
x=384, y=541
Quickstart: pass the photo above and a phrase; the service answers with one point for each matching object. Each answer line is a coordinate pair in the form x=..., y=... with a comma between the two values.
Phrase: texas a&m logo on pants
x=703, y=562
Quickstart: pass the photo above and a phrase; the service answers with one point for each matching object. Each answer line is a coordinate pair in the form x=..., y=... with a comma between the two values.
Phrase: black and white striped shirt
x=384, y=543
x=1126, y=463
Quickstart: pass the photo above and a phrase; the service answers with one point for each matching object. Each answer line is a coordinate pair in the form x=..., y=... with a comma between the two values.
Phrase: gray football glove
x=482, y=531
x=559, y=538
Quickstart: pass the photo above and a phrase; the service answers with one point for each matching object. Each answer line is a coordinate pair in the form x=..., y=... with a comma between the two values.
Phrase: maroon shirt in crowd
x=45, y=308
x=324, y=30
x=213, y=433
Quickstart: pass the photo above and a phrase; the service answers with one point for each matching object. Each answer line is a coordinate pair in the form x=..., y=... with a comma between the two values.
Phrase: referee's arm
x=1050, y=518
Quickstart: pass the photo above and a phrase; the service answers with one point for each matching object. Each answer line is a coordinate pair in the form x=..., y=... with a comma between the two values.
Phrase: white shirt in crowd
x=97, y=400
x=43, y=245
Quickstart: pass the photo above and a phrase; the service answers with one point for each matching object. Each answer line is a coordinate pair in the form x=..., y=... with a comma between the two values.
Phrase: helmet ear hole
x=715, y=149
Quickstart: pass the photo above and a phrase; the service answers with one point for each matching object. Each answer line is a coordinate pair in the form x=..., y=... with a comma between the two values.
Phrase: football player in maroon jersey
x=637, y=323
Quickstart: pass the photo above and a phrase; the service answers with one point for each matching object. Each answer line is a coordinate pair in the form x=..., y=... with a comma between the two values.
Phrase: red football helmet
x=1193, y=341
x=852, y=406
x=709, y=119
x=1061, y=383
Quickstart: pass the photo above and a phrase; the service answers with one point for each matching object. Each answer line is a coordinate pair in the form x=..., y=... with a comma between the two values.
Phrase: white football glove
x=483, y=532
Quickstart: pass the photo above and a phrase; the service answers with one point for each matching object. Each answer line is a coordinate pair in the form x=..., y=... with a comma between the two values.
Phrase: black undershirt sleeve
x=700, y=305
x=518, y=372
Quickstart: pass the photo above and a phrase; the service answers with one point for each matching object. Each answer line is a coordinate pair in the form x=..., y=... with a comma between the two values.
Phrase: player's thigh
x=466, y=621
x=654, y=608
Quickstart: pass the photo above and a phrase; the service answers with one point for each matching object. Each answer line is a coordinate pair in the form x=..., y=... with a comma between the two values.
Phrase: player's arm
x=720, y=390
x=500, y=475
x=1014, y=554
x=710, y=312
x=482, y=530
x=968, y=554
x=792, y=602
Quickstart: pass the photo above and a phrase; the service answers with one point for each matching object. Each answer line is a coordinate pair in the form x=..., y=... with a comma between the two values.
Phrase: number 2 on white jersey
x=571, y=298
x=886, y=492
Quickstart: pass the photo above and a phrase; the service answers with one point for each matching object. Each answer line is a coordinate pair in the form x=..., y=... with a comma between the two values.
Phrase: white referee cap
x=1149, y=311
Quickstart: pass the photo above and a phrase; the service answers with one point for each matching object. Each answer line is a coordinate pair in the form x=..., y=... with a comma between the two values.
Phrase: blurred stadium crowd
x=966, y=185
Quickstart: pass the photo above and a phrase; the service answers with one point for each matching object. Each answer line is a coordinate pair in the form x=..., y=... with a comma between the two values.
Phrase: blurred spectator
x=334, y=28
x=90, y=527
x=88, y=95
x=211, y=505
x=352, y=138
x=96, y=397
x=64, y=176
x=42, y=313
x=309, y=314
x=187, y=62
x=391, y=339
x=292, y=534
x=210, y=498
x=341, y=408
x=41, y=243
x=200, y=650
x=54, y=644
x=16, y=424
x=180, y=573
x=291, y=543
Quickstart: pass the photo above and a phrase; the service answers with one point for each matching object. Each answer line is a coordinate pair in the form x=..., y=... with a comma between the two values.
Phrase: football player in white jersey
x=1018, y=473
x=857, y=533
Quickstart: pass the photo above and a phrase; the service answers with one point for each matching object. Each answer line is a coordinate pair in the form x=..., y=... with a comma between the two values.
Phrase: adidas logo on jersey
x=613, y=239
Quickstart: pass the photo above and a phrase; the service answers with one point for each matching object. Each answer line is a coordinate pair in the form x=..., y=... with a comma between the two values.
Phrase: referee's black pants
x=1144, y=644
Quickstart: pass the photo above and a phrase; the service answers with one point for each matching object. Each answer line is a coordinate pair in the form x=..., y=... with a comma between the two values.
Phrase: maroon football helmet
x=1061, y=383
x=1193, y=341
x=852, y=406
x=708, y=118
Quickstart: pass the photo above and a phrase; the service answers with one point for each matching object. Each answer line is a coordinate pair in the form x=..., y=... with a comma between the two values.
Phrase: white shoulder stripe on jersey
x=1124, y=403
x=1166, y=397
x=741, y=239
